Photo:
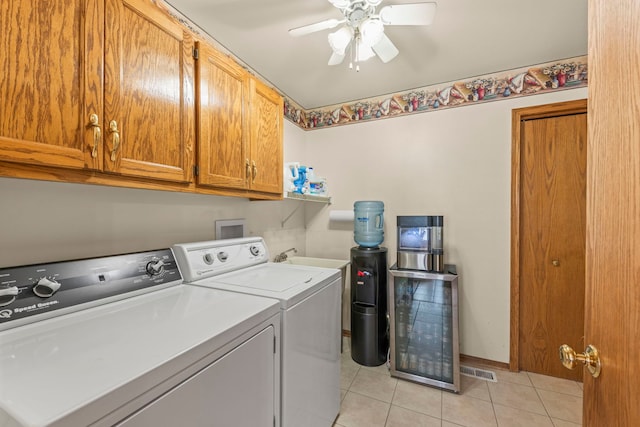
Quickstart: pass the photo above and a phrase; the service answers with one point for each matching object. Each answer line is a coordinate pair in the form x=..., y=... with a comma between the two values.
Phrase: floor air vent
x=481, y=374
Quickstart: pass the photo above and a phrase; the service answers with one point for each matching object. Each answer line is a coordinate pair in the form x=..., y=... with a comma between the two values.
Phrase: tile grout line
x=539, y=397
x=393, y=395
x=493, y=407
x=369, y=397
x=491, y=397
x=550, y=389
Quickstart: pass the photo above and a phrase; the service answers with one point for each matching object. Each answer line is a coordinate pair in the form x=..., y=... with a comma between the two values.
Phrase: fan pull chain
x=356, y=41
x=351, y=53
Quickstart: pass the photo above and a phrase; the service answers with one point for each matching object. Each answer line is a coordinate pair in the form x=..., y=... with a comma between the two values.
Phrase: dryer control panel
x=211, y=258
x=34, y=292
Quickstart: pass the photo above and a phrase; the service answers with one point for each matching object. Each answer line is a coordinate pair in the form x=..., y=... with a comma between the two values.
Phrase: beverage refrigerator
x=423, y=311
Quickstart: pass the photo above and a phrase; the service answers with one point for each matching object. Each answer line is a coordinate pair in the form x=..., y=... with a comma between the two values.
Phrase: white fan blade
x=318, y=26
x=408, y=14
x=385, y=49
x=336, y=59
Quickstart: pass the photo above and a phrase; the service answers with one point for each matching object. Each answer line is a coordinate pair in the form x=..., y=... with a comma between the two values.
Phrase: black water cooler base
x=366, y=348
x=369, y=334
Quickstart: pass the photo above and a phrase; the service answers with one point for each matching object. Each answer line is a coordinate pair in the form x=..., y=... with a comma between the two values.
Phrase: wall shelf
x=308, y=197
x=305, y=198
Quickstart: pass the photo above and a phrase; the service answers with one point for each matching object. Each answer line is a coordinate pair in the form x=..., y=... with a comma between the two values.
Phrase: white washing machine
x=122, y=341
x=309, y=299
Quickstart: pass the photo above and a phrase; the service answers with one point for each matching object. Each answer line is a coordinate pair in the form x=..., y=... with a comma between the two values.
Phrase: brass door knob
x=590, y=358
x=555, y=262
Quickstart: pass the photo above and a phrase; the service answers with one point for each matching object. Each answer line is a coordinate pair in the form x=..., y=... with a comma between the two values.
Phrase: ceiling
x=468, y=38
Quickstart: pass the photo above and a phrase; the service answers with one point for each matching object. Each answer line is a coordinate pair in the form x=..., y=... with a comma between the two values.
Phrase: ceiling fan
x=364, y=28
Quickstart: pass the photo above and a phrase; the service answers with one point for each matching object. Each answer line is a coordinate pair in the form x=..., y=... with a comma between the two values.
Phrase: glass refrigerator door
x=425, y=336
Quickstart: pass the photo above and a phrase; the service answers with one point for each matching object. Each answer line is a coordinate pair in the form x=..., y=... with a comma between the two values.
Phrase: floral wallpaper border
x=557, y=75
x=543, y=78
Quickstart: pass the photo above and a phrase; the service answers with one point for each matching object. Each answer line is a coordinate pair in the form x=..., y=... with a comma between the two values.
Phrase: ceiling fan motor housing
x=357, y=12
x=364, y=29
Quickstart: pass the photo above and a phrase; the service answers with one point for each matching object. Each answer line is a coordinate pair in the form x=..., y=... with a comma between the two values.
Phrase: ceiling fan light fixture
x=339, y=40
x=364, y=52
x=340, y=4
x=371, y=31
x=363, y=31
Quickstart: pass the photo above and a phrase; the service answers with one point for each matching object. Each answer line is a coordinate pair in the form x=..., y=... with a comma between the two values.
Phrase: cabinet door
x=149, y=130
x=223, y=156
x=266, y=138
x=51, y=82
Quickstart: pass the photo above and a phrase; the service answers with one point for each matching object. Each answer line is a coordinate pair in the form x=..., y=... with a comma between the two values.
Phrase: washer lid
x=286, y=282
x=273, y=279
x=75, y=369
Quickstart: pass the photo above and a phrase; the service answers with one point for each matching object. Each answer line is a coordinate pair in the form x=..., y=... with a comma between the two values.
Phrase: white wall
x=49, y=221
x=455, y=163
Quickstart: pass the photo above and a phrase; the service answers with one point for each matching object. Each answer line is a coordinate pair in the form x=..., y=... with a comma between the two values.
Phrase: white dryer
x=310, y=299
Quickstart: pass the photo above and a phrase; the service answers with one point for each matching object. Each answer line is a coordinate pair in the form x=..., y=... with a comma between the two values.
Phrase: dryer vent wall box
x=230, y=228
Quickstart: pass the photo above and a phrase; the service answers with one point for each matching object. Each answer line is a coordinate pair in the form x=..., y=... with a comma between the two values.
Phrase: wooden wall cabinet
x=239, y=127
x=52, y=82
x=102, y=92
x=223, y=139
x=148, y=93
x=96, y=85
x=266, y=138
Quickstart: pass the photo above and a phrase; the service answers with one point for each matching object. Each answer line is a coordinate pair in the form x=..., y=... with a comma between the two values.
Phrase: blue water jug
x=368, y=221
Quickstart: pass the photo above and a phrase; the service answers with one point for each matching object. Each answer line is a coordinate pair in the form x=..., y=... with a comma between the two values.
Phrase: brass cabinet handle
x=254, y=170
x=555, y=262
x=94, y=123
x=590, y=358
x=247, y=169
x=113, y=127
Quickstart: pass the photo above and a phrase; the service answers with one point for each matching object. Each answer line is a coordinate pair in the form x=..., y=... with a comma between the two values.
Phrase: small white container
x=318, y=186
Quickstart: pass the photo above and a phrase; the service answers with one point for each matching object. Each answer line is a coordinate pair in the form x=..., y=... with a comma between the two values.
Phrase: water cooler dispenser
x=369, y=324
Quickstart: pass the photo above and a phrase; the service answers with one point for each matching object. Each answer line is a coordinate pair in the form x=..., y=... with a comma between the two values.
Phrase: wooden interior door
x=551, y=234
x=612, y=317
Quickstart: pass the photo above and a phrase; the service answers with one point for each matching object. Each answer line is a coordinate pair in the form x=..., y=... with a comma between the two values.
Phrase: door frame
x=517, y=117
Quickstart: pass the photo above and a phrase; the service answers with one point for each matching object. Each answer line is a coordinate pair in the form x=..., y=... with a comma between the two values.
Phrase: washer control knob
x=255, y=250
x=223, y=256
x=46, y=287
x=155, y=267
x=8, y=295
x=208, y=258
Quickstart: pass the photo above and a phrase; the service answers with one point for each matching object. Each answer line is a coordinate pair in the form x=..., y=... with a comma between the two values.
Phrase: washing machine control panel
x=34, y=292
x=207, y=259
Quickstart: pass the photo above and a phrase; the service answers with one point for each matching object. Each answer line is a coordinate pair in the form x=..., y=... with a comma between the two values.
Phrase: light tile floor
x=372, y=398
